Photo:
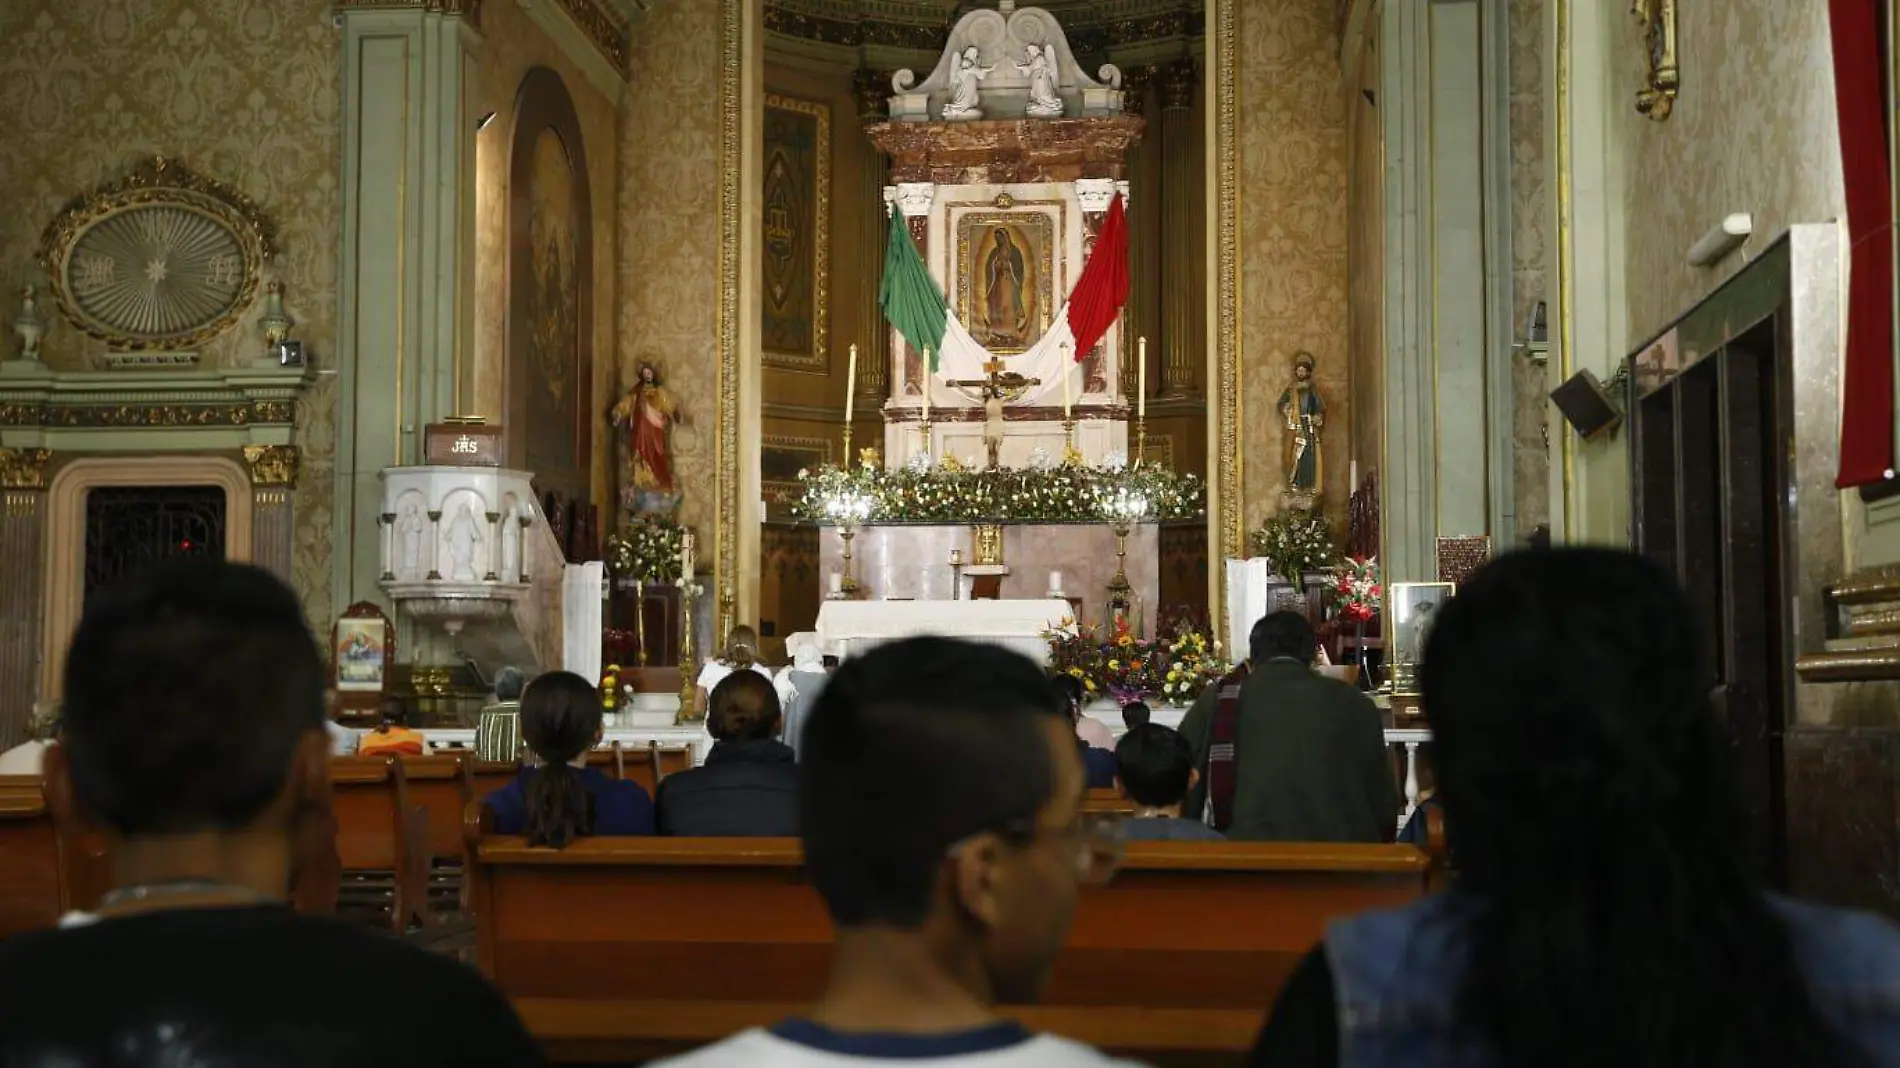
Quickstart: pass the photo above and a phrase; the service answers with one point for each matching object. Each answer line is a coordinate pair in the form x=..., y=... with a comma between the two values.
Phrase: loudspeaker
x=1586, y=405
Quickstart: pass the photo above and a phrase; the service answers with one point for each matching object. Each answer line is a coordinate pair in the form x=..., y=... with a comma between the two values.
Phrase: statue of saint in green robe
x=1303, y=415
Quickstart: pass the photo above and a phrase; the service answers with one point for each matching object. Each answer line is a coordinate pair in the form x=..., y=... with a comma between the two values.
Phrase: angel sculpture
x=1041, y=72
x=964, y=81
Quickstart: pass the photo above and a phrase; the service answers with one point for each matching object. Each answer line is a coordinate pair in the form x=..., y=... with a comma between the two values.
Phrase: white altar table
x=848, y=627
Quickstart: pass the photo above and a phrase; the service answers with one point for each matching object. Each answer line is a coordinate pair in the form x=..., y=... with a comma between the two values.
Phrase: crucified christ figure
x=998, y=388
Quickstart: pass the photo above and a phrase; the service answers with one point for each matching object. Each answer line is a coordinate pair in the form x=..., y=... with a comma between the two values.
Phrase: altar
x=1072, y=560
x=846, y=628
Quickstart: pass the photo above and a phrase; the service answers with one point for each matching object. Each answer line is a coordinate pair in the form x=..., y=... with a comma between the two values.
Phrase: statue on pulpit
x=1303, y=414
x=465, y=537
x=997, y=388
x=648, y=413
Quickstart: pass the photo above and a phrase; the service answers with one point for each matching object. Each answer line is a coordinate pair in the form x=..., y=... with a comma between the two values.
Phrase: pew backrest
x=635, y=944
x=378, y=829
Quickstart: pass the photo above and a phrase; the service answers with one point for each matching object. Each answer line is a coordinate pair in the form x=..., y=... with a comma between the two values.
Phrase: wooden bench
x=35, y=878
x=627, y=948
x=381, y=840
x=646, y=765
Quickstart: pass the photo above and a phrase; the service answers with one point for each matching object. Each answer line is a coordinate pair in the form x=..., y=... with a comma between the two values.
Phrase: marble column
x=273, y=470
x=1183, y=333
x=1142, y=315
x=22, y=564
x=405, y=308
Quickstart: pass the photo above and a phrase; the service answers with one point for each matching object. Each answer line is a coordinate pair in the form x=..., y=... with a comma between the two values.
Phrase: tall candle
x=1352, y=484
x=837, y=582
x=926, y=389
x=1066, y=368
x=850, y=386
x=686, y=556
x=1141, y=379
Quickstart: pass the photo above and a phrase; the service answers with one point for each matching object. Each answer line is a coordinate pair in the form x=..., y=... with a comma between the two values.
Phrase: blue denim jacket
x=1395, y=976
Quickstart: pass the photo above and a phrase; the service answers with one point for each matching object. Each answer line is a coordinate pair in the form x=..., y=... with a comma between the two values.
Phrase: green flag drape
x=909, y=296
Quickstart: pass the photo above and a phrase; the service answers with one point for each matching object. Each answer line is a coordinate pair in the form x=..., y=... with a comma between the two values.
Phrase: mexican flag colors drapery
x=913, y=303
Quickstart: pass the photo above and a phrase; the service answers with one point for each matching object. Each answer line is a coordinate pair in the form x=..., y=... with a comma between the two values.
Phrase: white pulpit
x=1253, y=590
x=846, y=628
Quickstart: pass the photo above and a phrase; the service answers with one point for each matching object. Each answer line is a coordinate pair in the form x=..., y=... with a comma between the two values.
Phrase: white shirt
x=1094, y=732
x=343, y=740
x=763, y=1049
x=23, y=759
x=715, y=673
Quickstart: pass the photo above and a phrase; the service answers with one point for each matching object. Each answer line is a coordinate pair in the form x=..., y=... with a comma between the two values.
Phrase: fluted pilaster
x=1183, y=272
x=22, y=563
x=273, y=470
x=1142, y=315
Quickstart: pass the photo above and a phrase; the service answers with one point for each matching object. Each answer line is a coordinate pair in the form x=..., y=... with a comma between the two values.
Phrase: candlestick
x=1141, y=379
x=1066, y=368
x=850, y=383
x=1352, y=478
x=686, y=556
x=926, y=387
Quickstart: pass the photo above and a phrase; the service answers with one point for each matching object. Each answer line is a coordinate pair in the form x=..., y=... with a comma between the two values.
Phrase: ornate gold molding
x=24, y=468
x=1227, y=519
x=466, y=9
x=1661, y=78
x=726, y=503
x=145, y=415
x=272, y=465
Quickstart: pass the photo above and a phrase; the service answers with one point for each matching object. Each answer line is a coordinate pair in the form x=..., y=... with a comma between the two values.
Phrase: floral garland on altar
x=952, y=493
x=1295, y=543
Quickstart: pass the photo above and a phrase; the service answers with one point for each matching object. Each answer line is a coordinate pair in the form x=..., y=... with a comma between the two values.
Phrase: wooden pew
x=627, y=948
x=34, y=889
x=443, y=786
x=1106, y=801
x=646, y=765
x=381, y=837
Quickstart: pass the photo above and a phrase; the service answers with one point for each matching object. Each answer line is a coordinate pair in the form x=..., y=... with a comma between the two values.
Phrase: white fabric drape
x=1051, y=357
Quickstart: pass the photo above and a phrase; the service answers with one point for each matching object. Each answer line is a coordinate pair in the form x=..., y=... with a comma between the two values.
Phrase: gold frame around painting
x=1226, y=518
x=818, y=359
x=1039, y=225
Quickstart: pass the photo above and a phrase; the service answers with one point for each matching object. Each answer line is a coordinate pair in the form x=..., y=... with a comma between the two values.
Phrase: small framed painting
x=362, y=650
x=1412, y=608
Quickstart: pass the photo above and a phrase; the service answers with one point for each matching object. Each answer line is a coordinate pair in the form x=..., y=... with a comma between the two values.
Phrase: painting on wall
x=797, y=238
x=781, y=459
x=1005, y=263
x=550, y=420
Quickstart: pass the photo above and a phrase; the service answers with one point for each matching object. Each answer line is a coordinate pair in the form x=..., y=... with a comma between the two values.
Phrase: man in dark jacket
x=749, y=784
x=1310, y=761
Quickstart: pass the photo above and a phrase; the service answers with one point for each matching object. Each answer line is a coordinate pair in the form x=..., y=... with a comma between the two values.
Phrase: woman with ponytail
x=1604, y=911
x=741, y=653
x=564, y=799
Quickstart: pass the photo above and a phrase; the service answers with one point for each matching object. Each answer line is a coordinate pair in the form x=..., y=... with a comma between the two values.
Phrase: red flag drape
x=1867, y=385
x=1103, y=288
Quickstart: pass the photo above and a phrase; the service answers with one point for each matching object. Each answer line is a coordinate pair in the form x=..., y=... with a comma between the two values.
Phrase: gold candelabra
x=640, y=621
x=1070, y=454
x=849, y=584
x=923, y=423
x=1121, y=593
x=1141, y=440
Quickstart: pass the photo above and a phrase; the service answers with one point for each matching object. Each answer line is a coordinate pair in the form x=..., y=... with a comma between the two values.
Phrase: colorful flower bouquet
x=1355, y=589
x=648, y=551
x=1125, y=666
x=1295, y=543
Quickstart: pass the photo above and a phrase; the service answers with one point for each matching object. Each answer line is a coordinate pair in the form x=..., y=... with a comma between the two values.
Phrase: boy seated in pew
x=392, y=736
x=1156, y=771
x=940, y=810
x=748, y=786
x=564, y=799
x=192, y=740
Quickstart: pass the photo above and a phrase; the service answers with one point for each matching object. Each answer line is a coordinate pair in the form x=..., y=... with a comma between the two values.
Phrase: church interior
x=576, y=334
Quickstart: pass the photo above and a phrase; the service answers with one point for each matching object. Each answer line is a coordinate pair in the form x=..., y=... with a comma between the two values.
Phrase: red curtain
x=1103, y=287
x=1867, y=388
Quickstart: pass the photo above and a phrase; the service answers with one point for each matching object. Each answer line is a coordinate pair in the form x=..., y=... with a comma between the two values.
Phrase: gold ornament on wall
x=161, y=259
x=1661, y=77
x=272, y=465
x=23, y=468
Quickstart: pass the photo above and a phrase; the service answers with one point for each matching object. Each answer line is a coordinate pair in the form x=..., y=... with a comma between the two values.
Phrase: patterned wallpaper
x=244, y=91
x=1530, y=253
x=512, y=44
x=1292, y=134
x=1753, y=130
x=669, y=231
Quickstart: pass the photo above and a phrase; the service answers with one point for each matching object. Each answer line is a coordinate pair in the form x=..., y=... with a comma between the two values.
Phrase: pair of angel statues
x=966, y=82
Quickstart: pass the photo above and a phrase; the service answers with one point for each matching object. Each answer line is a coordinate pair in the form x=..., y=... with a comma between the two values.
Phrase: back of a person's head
x=394, y=712
x=742, y=647
x=1135, y=713
x=1154, y=765
x=912, y=748
x=742, y=708
x=1065, y=690
x=1282, y=635
x=508, y=684
x=560, y=720
x=1592, y=809
x=188, y=689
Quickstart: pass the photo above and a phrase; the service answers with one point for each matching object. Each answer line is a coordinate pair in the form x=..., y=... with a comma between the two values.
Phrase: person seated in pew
x=498, y=728
x=193, y=743
x=564, y=799
x=1155, y=771
x=392, y=736
x=1087, y=727
x=1287, y=754
x=940, y=806
x=748, y=786
x=1606, y=909
x=741, y=653
x=1098, y=761
x=1136, y=713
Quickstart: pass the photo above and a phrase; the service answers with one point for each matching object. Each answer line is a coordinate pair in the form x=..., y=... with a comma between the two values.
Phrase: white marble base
x=913, y=563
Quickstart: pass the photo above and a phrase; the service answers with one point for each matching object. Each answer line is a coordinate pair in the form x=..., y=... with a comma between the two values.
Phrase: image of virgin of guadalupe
x=1005, y=273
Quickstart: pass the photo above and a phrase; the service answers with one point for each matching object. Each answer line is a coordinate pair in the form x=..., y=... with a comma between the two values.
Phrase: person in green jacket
x=1310, y=760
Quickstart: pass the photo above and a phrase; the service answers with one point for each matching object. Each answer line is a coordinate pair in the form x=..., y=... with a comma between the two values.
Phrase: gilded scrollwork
x=726, y=503
x=1229, y=538
x=162, y=258
x=23, y=468
x=1661, y=77
x=272, y=465
x=250, y=413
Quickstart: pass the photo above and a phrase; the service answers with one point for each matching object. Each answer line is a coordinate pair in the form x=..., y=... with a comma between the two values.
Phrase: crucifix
x=998, y=388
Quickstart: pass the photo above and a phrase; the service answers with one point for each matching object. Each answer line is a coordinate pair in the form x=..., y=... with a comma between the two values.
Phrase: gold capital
x=24, y=468
x=272, y=465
